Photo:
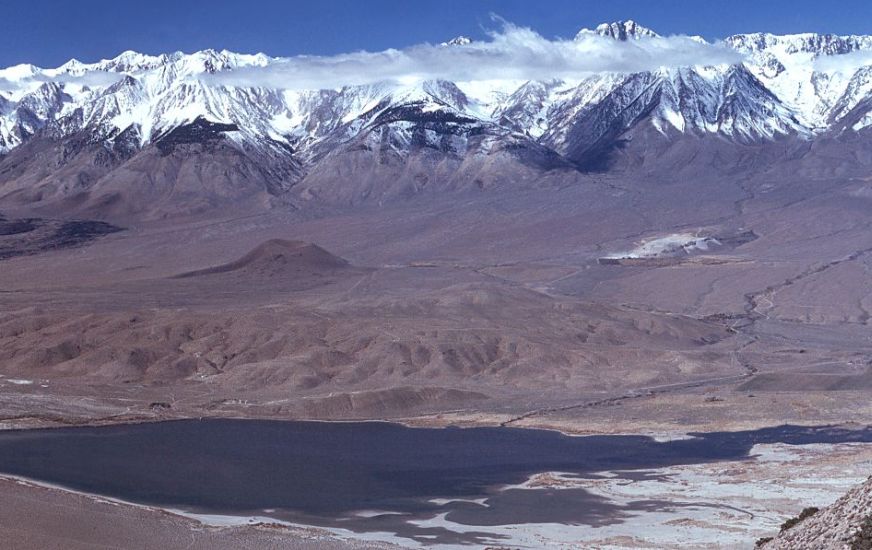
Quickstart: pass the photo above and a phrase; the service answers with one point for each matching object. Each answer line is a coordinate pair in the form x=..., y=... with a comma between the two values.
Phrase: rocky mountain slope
x=186, y=133
x=845, y=525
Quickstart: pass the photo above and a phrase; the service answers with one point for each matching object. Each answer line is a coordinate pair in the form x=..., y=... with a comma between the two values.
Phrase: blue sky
x=49, y=32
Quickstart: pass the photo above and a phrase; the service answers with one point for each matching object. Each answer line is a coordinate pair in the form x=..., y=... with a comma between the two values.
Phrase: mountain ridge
x=782, y=89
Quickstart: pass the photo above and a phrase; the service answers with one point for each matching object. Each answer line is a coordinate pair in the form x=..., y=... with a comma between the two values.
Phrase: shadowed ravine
x=326, y=473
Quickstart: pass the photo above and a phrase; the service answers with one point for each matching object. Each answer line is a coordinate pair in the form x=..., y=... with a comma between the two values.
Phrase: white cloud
x=92, y=79
x=513, y=53
x=845, y=63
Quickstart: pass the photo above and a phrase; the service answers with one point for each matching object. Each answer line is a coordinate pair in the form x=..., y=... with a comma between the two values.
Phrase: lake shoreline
x=309, y=483
x=822, y=460
x=432, y=421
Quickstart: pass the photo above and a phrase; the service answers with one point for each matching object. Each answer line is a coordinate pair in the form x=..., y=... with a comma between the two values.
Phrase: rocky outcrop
x=846, y=525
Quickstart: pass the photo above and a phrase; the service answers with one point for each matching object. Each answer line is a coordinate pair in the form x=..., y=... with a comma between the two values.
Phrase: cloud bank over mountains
x=513, y=53
x=510, y=53
x=844, y=63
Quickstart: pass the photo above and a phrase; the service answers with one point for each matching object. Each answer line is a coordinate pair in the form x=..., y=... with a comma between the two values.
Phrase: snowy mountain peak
x=779, y=88
x=804, y=43
x=19, y=72
x=620, y=30
x=458, y=41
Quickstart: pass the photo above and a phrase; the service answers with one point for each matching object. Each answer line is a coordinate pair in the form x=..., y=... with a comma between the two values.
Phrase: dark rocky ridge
x=200, y=131
x=29, y=236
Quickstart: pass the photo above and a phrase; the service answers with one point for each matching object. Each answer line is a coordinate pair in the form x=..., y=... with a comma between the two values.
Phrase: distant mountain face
x=63, y=132
x=619, y=30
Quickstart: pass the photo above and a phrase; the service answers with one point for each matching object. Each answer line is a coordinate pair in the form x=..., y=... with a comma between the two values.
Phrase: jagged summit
x=620, y=30
x=791, y=44
x=458, y=41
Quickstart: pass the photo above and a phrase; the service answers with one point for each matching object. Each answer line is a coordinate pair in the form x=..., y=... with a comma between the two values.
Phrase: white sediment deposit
x=729, y=504
x=726, y=505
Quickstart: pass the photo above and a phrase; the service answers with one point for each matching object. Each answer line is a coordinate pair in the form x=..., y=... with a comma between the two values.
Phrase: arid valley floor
x=569, y=308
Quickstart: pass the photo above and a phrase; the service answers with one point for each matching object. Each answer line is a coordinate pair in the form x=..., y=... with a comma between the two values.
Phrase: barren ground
x=481, y=309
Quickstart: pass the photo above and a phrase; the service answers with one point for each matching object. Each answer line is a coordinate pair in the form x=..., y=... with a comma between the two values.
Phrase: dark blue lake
x=321, y=473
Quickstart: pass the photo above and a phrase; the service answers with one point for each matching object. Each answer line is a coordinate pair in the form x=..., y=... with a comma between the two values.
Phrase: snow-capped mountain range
x=801, y=86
